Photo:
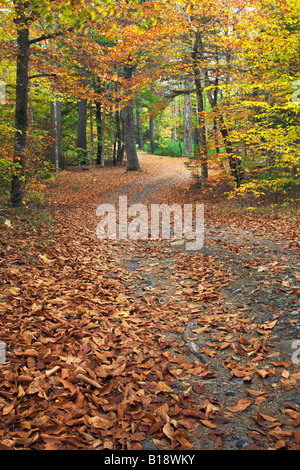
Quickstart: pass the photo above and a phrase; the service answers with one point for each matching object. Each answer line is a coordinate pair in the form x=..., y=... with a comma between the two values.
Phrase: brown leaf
x=155, y=426
x=168, y=430
x=100, y=422
x=162, y=387
x=7, y=409
x=241, y=405
x=208, y=423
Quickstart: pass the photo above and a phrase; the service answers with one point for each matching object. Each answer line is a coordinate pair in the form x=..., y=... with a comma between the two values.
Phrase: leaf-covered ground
x=143, y=345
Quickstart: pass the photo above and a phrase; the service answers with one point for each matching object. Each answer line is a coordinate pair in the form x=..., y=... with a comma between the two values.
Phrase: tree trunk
x=103, y=136
x=151, y=133
x=120, y=137
x=234, y=162
x=202, y=152
x=140, y=131
x=81, y=135
x=188, y=135
x=56, y=111
x=21, y=111
x=99, y=131
x=91, y=135
x=129, y=131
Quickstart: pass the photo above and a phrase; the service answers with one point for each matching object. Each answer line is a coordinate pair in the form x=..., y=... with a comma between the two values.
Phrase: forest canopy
x=214, y=82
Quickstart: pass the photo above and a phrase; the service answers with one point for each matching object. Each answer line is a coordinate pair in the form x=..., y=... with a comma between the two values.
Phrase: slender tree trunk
x=56, y=116
x=188, y=135
x=202, y=153
x=99, y=131
x=118, y=137
x=202, y=150
x=129, y=130
x=81, y=135
x=174, y=129
x=140, y=131
x=103, y=136
x=21, y=111
x=91, y=135
x=151, y=133
x=234, y=162
x=121, y=137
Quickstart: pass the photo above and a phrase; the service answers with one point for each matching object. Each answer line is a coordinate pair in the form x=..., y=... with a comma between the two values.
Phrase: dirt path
x=244, y=316
x=143, y=345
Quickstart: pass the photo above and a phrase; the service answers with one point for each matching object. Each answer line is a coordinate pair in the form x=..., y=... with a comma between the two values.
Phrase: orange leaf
x=162, y=387
x=8, y=408
x=240, y=406
x=168, y=431
x=208, y=423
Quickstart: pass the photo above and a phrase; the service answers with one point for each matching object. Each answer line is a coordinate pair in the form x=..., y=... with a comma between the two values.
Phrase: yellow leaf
x=122, y=314
x=8, y=408
x=14, y=290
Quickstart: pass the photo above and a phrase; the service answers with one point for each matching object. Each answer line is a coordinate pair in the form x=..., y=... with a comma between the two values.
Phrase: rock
x=262, y=268
x=177, y=243
x=230, y=393
x=241, y=443
x=295, y=312
x=148, y=445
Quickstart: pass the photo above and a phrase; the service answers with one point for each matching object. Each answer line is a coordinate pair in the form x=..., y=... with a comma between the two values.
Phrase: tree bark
x=56, y=111
x=91, y=135
x=151, y=133
x=188, y=135
x=21, y=110
x=120, y=137
x=202, y=152
x=81, y=133
x=129, y=130
x=234, y=162
x=103, y=135
x=99, y=131
x=140, y=131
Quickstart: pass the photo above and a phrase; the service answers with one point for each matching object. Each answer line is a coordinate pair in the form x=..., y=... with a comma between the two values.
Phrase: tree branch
x=44, y=37
x=42, y=75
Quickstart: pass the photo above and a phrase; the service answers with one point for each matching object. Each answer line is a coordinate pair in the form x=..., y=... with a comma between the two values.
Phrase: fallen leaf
x=241, y=405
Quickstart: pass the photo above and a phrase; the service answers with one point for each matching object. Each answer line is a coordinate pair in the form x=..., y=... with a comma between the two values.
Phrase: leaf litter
x=98, y=335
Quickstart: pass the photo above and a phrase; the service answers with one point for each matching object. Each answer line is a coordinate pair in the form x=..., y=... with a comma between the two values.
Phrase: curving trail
x=144, y=345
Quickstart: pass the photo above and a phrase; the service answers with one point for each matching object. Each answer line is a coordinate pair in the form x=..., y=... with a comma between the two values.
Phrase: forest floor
x=116, y=344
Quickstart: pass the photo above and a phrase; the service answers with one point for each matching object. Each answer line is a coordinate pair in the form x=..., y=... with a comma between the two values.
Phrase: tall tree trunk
x=118, y=136
x=103, y=136
x=188, y=130
x=81, y=134
x=56, y=111
x=91, y=135
x=121, y=137
x=129, y=130
x=21, y=110
x=174, y=129
x=202, y=152
x=140, y=131
x=234, y=162
x=151, y=133
x=99, y=131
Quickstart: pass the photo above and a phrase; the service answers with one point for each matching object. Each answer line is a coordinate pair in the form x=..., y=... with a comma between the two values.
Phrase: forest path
x=121, y=344
x=241, y=290
x=228, y=313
